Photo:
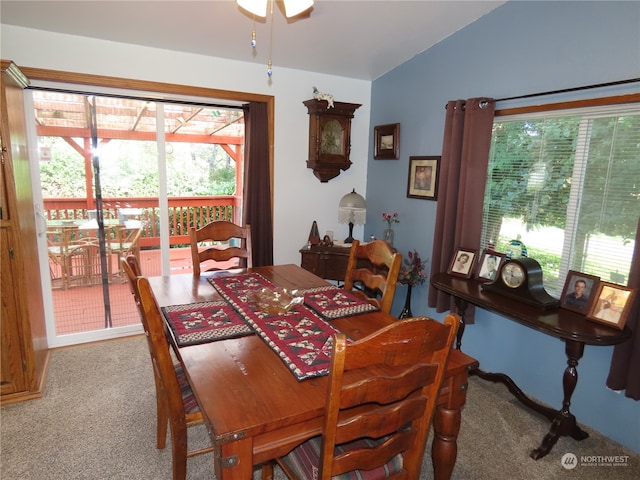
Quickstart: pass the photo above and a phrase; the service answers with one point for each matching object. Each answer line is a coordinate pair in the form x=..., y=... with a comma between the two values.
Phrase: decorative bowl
x=278, y=300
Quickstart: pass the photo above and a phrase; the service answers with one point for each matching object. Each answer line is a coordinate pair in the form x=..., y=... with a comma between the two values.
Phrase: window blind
x=566, y=185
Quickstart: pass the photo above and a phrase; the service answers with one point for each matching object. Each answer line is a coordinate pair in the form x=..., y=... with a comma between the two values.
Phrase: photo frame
x=579, y=291
x=422, y=181
x=387, y=142
x=612, y=304
x=489, y=265
x=462, y=262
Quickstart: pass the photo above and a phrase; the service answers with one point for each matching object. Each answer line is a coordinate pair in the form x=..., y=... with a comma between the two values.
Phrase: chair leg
x=162, y=417
x=179, y=453
x=267, y=471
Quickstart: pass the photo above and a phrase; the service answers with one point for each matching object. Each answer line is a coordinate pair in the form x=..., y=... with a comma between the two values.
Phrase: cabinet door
x=13, y=376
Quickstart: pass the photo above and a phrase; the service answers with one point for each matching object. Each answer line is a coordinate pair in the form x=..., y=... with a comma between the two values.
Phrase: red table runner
x=204, y=322
x=301, y=338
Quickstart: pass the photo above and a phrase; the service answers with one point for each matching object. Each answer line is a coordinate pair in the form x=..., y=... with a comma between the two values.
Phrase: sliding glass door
x=120, y=186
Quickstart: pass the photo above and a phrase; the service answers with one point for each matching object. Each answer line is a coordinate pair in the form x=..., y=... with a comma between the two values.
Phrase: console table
x=328, y=262
x=570, y=327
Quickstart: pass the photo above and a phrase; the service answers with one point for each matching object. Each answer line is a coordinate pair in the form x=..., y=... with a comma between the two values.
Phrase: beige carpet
x=96, y=421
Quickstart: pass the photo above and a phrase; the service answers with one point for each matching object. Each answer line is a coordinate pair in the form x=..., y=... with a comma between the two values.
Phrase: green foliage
x=129, y=169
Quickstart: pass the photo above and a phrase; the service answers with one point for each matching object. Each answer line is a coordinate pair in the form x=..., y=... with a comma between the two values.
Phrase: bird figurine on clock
x=521, y=279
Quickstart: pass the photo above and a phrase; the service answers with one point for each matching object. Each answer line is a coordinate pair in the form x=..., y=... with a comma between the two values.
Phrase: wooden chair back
x=380, y=402
x=374, y=266
x=220, y=231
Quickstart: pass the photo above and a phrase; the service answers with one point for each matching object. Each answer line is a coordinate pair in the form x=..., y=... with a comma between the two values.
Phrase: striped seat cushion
x=304, y=460
x=188, y=399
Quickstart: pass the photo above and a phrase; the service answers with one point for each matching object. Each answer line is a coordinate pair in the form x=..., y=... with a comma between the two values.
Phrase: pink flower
x=391, y=218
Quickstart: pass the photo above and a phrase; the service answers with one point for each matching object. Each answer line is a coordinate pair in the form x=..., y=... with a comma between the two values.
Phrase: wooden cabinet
x=329, y=137
x=24, y=352
x=326, y=262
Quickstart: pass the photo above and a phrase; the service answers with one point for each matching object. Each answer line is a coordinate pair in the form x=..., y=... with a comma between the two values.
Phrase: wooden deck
x=80, y=308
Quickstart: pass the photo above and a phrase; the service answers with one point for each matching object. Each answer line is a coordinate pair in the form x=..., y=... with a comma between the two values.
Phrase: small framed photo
x=579, y=291
x=387, y=142
x=489, y=265
x=462, y=262
x=423, y=178
x=612, y=304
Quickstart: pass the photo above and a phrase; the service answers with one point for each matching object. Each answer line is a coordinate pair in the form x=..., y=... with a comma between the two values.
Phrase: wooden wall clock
x=521, y=279
x=329, y=137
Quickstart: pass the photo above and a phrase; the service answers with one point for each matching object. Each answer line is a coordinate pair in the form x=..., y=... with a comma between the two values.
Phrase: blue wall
x=519, y=48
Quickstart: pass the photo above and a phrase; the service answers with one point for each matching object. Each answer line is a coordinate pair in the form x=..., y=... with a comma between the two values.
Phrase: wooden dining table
x=255, y=408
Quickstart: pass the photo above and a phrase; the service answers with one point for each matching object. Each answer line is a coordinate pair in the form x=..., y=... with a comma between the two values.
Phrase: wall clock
x=329, y=137
x=521, y=279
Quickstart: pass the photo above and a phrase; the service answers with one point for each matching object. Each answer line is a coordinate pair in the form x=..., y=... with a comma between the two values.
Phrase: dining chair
x=212, y=234
x=372, y=271
x=380, y=399
x=176, y=404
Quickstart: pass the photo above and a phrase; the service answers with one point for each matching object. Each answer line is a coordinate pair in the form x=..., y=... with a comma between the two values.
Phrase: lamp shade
x=352, y=209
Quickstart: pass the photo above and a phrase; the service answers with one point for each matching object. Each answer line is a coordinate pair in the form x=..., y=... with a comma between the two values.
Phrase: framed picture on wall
x=387, y=142
x=422, y=181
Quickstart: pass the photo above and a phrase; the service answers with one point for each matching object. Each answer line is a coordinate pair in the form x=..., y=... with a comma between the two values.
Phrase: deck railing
x=184, y=212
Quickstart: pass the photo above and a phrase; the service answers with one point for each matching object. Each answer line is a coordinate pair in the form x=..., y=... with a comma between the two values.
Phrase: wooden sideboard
x=328, y=262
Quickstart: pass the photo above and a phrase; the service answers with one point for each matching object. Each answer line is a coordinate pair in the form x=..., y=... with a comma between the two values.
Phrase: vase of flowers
x=412, y=273
x=388, y=233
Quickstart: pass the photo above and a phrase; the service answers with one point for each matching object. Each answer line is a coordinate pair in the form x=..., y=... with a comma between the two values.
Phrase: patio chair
x=381, y=395
x=214, y=234
x=176, y=405
x=373, y=271
x=126, y=242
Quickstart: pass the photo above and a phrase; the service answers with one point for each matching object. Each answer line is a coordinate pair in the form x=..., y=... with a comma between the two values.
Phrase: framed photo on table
x=612, y=304
x=386, y=142
x=422, y=181
x=489, y=265
x=462, y=262
x=579, y=291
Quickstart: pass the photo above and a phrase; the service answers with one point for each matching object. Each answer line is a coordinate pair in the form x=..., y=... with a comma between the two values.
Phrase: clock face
x=332, y=138
x=512, y=275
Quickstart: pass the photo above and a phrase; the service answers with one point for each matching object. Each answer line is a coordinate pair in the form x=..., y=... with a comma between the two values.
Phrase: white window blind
x=566, y=184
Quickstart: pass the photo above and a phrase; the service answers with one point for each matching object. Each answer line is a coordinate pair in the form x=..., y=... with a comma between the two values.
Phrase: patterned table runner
x=204, y=322
x=301, y=338
x=332, y=302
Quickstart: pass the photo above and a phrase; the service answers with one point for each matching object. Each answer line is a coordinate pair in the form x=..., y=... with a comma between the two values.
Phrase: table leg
x=461, y=306
x=234, y=460
x=446, y=426
x=565, y=422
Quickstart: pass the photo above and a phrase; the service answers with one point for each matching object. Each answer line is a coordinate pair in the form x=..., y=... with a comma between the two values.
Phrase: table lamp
x=352, y=209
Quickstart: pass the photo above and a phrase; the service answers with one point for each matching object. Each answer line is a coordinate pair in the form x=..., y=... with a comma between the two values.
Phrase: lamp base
x=349, y=239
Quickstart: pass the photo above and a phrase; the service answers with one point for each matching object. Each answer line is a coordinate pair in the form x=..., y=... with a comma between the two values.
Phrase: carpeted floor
x=96, y=421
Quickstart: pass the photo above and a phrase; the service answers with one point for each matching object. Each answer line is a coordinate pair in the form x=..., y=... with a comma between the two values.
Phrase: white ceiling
x=361, y=39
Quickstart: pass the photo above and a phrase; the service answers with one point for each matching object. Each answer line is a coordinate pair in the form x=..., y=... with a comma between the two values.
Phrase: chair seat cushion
x=304, y=460
x=188, y=399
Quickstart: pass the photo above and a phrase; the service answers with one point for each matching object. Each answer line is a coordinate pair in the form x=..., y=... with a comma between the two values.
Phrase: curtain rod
x=567, y=90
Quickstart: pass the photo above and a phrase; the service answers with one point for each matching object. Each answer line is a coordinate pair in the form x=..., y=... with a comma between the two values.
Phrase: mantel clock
x=521, y=279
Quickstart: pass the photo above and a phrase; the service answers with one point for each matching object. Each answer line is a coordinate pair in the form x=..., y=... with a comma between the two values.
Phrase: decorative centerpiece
x=277, y=300
x=412, y=273
x=388, y=233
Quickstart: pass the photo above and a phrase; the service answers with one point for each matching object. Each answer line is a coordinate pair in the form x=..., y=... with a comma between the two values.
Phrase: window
x=566, y=185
